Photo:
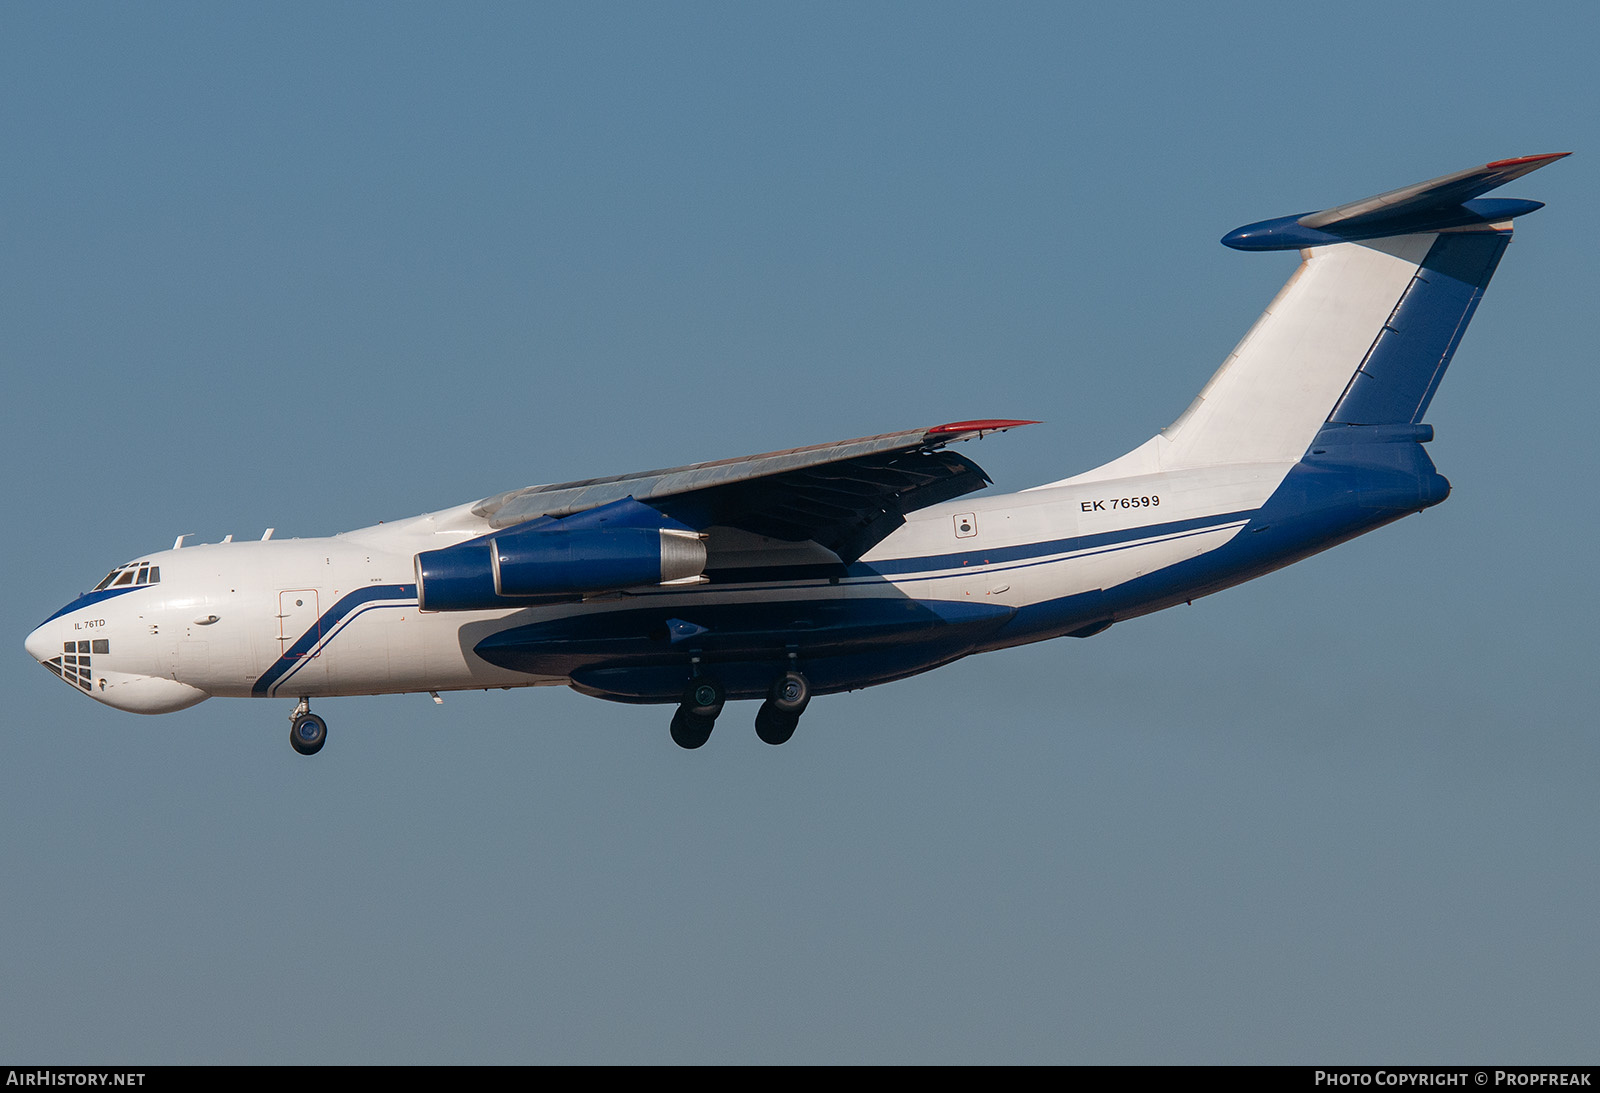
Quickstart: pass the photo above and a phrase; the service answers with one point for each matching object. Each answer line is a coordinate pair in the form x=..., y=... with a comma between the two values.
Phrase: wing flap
x=808, y=504
x=847, y=495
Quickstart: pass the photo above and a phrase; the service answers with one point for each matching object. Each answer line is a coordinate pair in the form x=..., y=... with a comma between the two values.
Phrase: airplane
x=829, y=568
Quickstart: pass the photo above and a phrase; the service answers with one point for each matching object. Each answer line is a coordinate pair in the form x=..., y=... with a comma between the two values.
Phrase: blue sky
x=313, y=266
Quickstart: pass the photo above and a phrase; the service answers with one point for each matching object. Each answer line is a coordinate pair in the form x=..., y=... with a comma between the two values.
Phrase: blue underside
x=843, y=643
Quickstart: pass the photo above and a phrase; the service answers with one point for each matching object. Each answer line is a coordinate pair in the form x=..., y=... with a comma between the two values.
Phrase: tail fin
x=1363, y=330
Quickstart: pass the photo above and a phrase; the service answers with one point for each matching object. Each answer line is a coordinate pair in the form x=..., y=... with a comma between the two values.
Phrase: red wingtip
x=1520, y=160
x=986, y=425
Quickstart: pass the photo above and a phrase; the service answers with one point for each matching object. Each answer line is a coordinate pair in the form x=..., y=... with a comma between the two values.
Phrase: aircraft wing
x=848, y=496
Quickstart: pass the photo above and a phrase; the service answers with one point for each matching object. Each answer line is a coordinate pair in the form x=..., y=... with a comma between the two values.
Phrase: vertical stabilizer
x=1276, y=389
x=1362, y=332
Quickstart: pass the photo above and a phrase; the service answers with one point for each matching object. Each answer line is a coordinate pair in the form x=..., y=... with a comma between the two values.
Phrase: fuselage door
x=299, y=623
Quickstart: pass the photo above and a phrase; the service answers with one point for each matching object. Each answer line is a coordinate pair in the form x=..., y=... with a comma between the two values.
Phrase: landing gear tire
x=704, y=698
x=774, y=726
x=697, y=714
x=690, y=730
x=787, y=699
x=308, y=733
x=790, y=693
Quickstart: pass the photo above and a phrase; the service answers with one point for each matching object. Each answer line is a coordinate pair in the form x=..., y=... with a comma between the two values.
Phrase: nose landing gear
x=307, y=731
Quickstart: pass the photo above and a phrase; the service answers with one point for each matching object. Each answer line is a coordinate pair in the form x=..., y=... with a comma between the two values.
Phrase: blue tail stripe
x=1405, y=364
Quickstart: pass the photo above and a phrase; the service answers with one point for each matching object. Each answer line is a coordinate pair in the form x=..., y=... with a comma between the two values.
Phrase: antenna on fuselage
x=177, y=544
x=268, y=534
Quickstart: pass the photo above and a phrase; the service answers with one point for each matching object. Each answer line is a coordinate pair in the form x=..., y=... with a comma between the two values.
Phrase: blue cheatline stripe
x=296, y=653
x=89, y=599
x=794, y=576
x=1036, y=551
x=1053, y=556
x=326, y=638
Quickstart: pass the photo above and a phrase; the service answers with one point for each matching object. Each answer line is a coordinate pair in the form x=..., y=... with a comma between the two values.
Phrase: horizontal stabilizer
x=1451, y=201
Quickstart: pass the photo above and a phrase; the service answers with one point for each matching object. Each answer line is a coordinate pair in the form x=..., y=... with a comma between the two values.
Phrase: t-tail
x=1360, y=336
x=1322, y=403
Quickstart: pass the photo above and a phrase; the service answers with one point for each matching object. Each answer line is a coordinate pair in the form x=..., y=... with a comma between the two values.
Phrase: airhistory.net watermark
x=46, y=1077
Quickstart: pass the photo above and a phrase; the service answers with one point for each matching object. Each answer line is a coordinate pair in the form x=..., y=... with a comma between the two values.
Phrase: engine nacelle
x=510, y=569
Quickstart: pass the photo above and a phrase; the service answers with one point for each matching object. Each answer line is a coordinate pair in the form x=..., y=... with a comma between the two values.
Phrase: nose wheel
x=307, y=731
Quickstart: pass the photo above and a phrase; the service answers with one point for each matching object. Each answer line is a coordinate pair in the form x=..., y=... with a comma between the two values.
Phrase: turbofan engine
x=509, y=569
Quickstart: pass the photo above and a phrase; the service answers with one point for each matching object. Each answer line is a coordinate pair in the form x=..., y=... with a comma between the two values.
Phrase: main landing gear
x=780, y=713
x=307, y=731
x=702, y=701
x=697, y=713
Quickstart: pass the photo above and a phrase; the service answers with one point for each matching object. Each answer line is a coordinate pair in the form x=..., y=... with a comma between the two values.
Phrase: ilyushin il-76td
x=780, y=577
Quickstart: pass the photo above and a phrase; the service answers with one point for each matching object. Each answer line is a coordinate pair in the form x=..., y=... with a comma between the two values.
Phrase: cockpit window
x=131, y=575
